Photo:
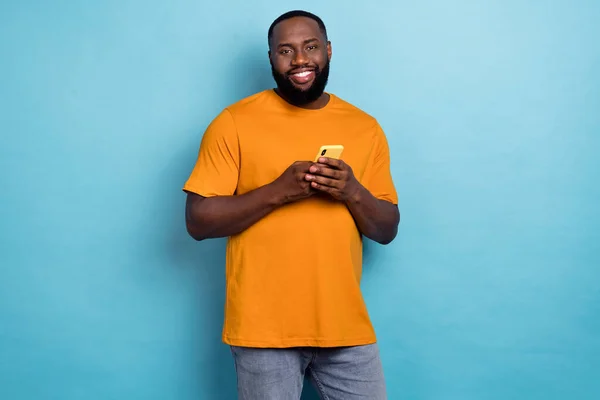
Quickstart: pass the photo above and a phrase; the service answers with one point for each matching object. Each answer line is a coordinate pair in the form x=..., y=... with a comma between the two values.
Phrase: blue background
x=492, y=288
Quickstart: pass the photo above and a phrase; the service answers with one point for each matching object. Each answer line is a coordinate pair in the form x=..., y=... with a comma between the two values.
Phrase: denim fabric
x=339, y=373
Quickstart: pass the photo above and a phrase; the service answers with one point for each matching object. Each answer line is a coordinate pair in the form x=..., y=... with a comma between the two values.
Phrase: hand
x=291, y=185
x=334, y=177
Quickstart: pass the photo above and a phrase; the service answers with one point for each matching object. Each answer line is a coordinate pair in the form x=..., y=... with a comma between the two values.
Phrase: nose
x=300, y=58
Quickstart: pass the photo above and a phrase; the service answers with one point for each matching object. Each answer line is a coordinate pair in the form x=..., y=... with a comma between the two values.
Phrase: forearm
x=376, y=219
x=223, y=216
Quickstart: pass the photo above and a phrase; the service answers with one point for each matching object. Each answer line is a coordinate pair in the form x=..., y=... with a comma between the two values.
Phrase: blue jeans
x=338, y=373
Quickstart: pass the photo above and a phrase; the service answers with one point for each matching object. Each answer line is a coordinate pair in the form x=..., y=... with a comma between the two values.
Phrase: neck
x=313, y=105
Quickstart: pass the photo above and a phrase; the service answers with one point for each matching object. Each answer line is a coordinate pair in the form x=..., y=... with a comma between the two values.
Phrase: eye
x=311, y=47
x=285, y=51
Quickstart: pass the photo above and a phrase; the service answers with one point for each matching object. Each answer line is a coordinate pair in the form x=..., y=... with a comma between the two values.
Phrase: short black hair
x=293, y=14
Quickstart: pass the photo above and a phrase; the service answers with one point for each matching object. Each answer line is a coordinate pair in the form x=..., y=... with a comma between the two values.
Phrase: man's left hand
x=334, y=177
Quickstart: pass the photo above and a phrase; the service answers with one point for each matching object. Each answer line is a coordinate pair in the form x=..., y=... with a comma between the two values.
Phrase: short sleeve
x=378, y=176
x=217, y=166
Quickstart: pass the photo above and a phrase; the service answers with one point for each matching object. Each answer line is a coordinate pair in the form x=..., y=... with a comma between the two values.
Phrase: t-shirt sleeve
x=378, y=175
x=217, y=166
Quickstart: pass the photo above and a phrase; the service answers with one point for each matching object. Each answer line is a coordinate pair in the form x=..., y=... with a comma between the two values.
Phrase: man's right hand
x=221, y=216
x=292, y=185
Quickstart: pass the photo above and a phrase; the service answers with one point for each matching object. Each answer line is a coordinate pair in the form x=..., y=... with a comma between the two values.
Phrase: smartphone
x=330, y=150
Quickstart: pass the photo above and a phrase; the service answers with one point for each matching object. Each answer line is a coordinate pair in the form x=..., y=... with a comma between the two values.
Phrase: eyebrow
x=307, y=41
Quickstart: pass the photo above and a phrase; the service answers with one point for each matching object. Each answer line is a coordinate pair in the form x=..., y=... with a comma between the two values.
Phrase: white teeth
x=303, y=74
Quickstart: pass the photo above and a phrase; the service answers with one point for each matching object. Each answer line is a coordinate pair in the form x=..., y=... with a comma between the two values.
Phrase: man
x=295, y=227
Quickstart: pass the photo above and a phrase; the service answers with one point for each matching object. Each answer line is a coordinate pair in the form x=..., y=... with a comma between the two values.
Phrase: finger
x=323, y=188
x=302, y=165
x=323, y=181
x=339, y=164
x=325, y=170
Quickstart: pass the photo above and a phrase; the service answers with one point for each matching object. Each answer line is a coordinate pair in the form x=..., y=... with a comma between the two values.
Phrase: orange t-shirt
x=293, y=278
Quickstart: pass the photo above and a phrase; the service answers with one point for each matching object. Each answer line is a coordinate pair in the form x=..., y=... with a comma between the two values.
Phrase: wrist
x=275, y=197
x=356, y=194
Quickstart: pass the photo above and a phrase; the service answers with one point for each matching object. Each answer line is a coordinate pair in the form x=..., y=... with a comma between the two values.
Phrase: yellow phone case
x=330, y=151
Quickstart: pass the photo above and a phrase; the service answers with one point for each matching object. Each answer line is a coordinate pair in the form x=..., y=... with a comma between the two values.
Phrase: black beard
x=299, y=97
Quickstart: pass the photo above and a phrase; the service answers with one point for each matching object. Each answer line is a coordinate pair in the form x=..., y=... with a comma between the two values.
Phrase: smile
x=302, y=76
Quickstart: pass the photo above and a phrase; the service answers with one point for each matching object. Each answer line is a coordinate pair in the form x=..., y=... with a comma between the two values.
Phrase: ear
x=329, y=50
